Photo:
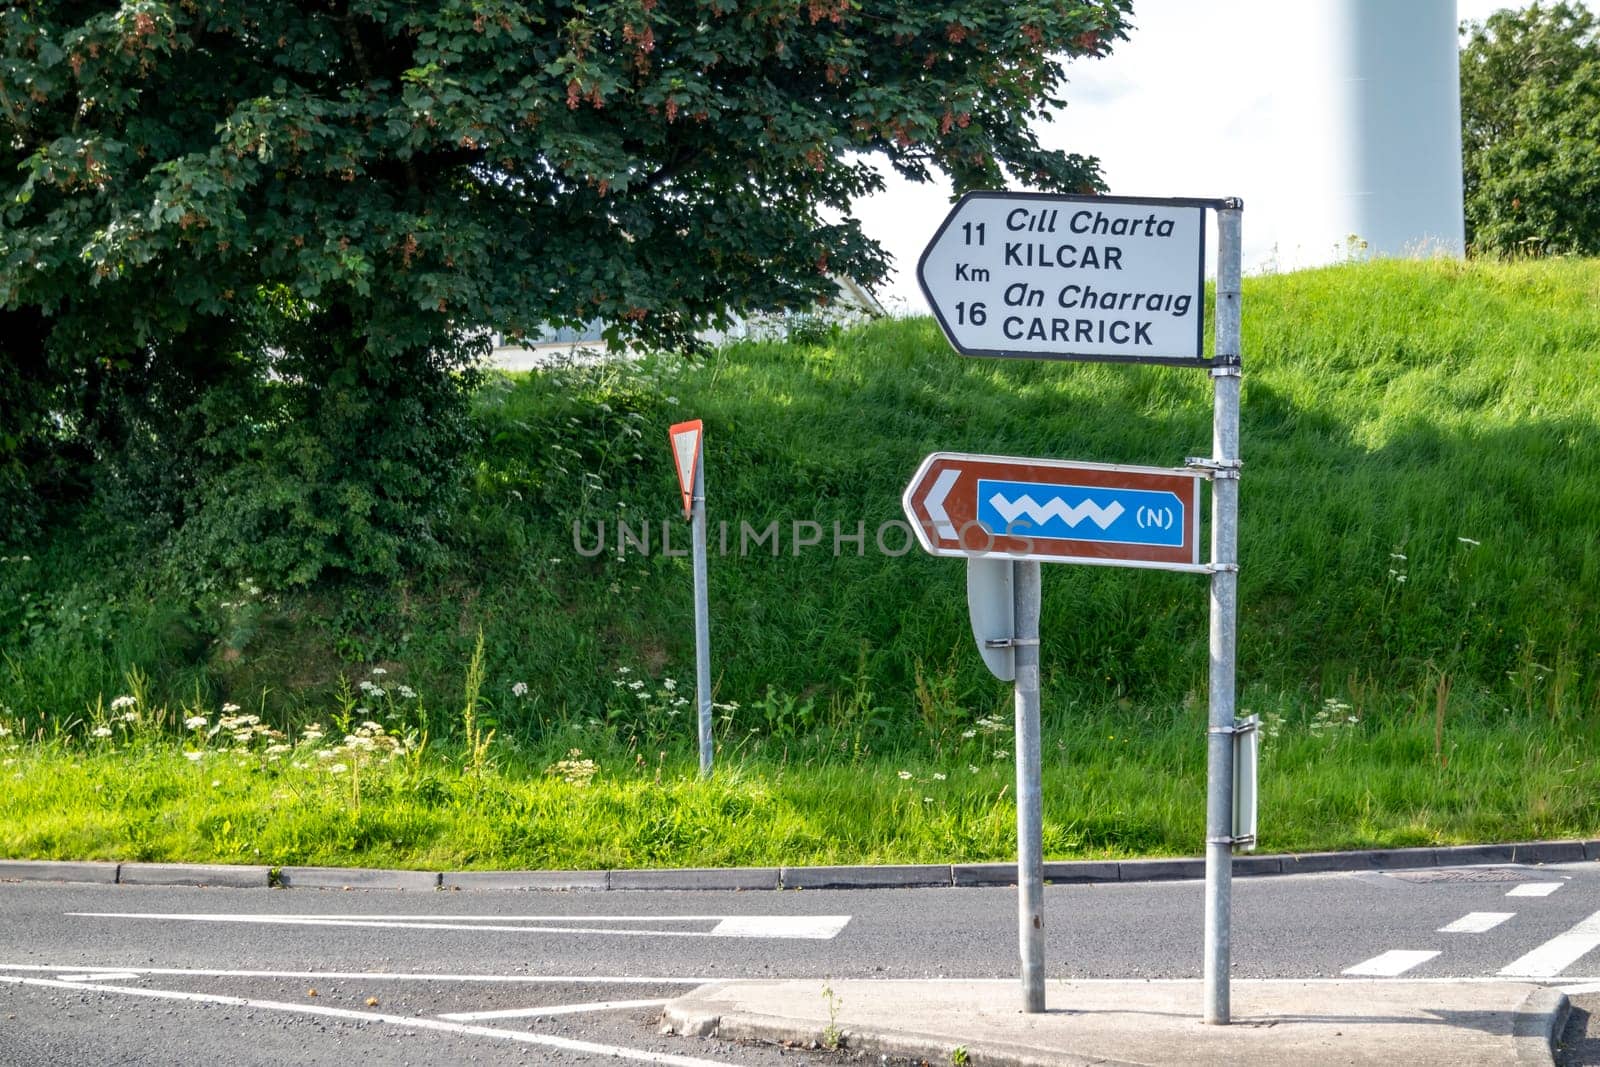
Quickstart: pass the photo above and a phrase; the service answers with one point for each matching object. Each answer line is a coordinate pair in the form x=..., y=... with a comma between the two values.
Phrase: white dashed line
x=407, y=1022
x=798, y=927
x=550, y=1009
x=1558, y=953
x=1395, y=961
x=1534, y=889
x=802, y=927
x=1477, y=922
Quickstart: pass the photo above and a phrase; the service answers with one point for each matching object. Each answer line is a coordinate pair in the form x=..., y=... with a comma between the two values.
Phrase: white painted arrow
x=941, y=488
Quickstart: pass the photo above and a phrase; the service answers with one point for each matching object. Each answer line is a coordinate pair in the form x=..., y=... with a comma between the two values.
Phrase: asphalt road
x=156, y=975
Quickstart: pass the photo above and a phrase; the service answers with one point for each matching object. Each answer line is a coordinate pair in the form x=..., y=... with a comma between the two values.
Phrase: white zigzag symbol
x=1056, y=509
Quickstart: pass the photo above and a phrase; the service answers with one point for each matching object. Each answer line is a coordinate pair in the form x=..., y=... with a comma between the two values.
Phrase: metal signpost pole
x=1030, y=801
x=1224, y=617
x=702, y=612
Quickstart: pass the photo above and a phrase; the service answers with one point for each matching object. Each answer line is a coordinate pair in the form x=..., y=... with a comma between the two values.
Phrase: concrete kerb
x=222, y=876
x=355, y=878
x=741, y=1026
x=696, y=878
x=91, y=871
x=585, y=881
x=896, y=876
x=1550, y=852
x=904, y=876
x=1538, y=1025
x=1114, y=1023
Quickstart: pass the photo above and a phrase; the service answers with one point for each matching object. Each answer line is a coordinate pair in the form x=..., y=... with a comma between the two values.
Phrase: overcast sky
x=1200, y=100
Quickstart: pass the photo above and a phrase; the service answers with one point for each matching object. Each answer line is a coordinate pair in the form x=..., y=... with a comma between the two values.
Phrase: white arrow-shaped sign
x=1070, y=277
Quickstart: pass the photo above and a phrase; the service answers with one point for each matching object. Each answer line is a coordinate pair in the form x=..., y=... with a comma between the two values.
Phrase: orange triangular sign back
x=686, y=456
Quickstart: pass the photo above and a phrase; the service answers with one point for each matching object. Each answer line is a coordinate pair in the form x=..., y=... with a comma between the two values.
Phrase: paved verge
x=1420, y=1024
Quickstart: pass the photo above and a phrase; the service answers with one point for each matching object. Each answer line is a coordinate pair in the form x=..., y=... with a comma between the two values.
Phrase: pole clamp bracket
x=1240, y=726
x=1241, y=839
x=1008, y=642
x=1214, y=468
x=1222, y=568
x=1228, y=369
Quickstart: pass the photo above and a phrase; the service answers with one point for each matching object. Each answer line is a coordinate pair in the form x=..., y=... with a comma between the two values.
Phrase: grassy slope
x=1390, y=411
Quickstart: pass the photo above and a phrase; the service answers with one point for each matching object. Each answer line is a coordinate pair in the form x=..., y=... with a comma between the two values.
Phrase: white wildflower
x=102, y=731
x=195, y=722
x=123, y=702
x=938, y=776
x=905, y=775
x=229, y=709
x=337, y=768
x=194, y=757
x=379, y=671
x=407, y=693
x=520, y=689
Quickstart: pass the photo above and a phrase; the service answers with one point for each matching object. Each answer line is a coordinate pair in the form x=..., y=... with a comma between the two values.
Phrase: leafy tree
x=253, y=242
x=1530, y=118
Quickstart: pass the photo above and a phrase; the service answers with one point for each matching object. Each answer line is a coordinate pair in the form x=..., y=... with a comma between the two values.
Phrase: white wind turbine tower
x=1382, y=137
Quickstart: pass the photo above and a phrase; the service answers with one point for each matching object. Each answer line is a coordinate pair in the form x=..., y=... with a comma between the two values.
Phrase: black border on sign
x=1200, y=203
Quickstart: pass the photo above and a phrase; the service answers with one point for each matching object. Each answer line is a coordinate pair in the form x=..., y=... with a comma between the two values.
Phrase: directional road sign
x=1070, y=277
x=1056, y=511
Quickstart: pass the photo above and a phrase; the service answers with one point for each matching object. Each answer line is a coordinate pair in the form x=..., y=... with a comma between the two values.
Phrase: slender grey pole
x=1224, y=618
x=1030, y=801
x=702, y=612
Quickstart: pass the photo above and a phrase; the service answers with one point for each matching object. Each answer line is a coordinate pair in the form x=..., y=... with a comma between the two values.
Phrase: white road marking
x=98, y=976
x=387, y=976
x=807, y=927
x=1388, y=964
x=1571, y=982
x=1558, y=953
x=1534, y=889
x=1477, y=922
x=1575, y=990
x=801, y=927
x=551, y=1009
x=405, y=1022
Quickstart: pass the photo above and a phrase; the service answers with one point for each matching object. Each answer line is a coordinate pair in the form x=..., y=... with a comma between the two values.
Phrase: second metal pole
x=1224, y=620
x=702, y=613
x=1030, y=800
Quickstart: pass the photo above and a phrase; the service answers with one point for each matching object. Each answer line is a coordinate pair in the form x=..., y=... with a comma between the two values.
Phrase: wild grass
x=1116, y=784
x=1418, y=544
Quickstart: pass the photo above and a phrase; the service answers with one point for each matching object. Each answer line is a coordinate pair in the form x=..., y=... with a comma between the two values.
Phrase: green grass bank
x=1420, y=615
